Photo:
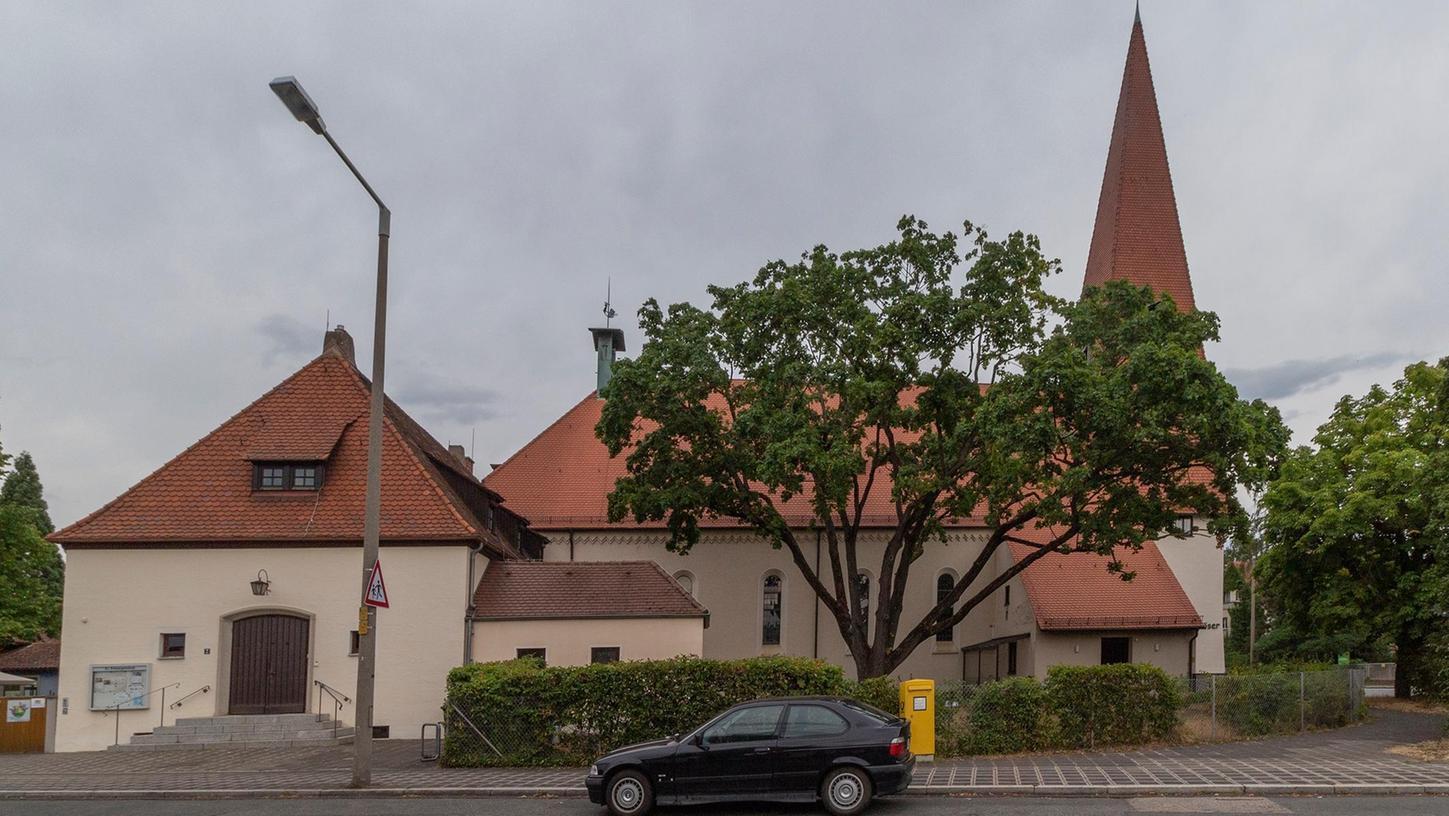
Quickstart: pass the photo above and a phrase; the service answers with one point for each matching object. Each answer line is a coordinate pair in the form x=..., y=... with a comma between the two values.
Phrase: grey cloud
x=285, y=337
x=459, y=405
x=1285, y=379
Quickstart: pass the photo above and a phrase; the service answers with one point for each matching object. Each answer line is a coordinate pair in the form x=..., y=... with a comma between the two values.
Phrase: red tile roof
x=204, y=495
x=524, y=590
x=42, y=655
x=1075, y=591
x=1137, y=236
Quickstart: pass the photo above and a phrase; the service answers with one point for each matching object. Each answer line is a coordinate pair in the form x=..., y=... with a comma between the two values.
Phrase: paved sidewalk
x=1349, y=760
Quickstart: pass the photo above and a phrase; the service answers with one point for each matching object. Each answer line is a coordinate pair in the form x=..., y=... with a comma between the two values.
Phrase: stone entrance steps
x=242, y=731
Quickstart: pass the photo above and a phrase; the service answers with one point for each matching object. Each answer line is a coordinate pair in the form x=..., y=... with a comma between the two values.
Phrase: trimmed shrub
x=1119, y=704
x=882, y=692
x=1008, y=716
x=531, y=715
x=1259, y=704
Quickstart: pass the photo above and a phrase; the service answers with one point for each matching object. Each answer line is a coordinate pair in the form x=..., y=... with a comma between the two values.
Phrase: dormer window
x=287, y=476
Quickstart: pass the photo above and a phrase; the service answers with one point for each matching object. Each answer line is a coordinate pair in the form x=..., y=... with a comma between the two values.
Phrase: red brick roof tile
x=523, y=590
x=204, y=495
x=1075, y=591
x=42, y=655
x=1137, y=236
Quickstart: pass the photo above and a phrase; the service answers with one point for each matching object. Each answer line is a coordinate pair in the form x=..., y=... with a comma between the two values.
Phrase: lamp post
x=290, y=92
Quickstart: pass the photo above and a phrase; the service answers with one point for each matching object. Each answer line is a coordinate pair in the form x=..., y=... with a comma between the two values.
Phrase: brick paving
x=1353, y=759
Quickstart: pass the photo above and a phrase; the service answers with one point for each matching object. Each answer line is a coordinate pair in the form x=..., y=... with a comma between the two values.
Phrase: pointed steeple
x=1137, y=236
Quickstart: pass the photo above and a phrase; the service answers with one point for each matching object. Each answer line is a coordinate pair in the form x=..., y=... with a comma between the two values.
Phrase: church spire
x=1137, y=236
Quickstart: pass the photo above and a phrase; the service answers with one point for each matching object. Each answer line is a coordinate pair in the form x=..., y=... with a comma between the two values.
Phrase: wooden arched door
x=268, y=665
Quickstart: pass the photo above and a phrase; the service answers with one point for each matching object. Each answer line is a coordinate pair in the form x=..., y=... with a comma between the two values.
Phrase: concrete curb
x=577, y=792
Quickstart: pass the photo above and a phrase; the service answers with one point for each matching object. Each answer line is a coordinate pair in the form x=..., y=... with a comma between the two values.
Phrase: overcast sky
x=173, y=241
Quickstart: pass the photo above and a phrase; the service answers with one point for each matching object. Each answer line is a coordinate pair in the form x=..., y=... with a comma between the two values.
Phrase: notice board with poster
x=123, y=687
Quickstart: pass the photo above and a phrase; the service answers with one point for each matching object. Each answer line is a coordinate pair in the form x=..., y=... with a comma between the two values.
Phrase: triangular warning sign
x=376, y=589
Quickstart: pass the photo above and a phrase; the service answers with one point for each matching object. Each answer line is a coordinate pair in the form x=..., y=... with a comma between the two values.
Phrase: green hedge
x=1119, y=704
x=532, y=715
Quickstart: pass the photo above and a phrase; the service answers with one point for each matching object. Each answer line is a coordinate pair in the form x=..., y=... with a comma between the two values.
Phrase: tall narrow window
x=944, y=584
x=770, y=627
x=1011, y=659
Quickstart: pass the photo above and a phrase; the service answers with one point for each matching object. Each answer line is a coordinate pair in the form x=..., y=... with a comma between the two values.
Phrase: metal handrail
x=117, y=707
x=178, y=703
x=338, y=701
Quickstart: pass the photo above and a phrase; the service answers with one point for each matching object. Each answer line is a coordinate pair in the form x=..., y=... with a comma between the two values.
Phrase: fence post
x=1213, y=684
x=1303, y=705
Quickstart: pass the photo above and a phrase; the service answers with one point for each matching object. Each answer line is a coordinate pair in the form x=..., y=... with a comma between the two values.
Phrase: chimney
x=457, y=452
x=339, y=342
x=607, y=342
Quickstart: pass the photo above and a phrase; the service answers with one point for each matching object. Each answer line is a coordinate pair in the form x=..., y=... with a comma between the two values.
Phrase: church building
x=227, y=582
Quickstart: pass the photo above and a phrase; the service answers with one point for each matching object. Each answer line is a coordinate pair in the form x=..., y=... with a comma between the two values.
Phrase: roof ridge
x=365, y=386
x=78, y=524
x=525, y=446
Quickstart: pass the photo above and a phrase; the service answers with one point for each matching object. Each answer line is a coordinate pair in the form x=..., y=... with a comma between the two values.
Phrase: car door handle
x=761, y=750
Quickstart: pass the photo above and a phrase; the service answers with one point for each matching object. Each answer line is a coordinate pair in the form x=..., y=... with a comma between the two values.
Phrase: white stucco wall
x=1197, y=561
x=118, y=602
x=1168, y=650
x=569, y=642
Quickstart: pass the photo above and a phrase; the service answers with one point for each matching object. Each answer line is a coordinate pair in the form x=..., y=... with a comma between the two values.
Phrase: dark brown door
x=269, y=665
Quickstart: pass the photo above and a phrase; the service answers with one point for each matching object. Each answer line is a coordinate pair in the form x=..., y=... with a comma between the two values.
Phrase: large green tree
x=936, y=370
x=22, y=487
x=1357, y=527
x=31, y=569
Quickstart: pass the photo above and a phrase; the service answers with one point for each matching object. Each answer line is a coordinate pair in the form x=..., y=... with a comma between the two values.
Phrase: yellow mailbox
x=918, y=706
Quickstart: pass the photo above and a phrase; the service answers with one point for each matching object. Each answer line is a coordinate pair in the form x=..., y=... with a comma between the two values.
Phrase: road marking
x=1207, y=804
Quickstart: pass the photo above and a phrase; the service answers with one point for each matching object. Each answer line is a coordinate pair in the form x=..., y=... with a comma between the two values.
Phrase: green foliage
x=31, y=569
x=1357, y=529
x=882, y=692
x=23, y=489
x=1120, y=704
x=798, y=396
x=569, y=715
x=1008, y=716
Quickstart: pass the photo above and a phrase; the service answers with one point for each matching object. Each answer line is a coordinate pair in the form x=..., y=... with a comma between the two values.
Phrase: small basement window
x=173, y=645
x=604, y=654
x=287, y=476
x=540, y=654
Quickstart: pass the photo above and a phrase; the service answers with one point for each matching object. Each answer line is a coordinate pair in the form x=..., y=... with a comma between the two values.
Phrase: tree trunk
x=1252, y=617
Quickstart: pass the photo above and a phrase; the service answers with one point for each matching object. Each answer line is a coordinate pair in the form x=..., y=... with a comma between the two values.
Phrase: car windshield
x=870, y=711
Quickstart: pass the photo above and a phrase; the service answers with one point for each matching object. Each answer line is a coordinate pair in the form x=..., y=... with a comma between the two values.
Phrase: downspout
x=1192, y=654
x=571, y=545
x=815, y=644
x=468, y=608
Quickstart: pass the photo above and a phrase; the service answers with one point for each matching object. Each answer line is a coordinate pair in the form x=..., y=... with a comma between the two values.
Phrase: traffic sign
x=376, y=589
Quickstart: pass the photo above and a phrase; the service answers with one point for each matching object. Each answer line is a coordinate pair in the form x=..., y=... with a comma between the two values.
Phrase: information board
x=120, y=686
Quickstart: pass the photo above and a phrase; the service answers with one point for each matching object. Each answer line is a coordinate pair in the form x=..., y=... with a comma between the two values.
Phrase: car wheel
x=846, y=791
x=628, y=794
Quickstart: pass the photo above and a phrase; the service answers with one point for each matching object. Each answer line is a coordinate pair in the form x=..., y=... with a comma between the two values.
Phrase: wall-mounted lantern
x=263, y=584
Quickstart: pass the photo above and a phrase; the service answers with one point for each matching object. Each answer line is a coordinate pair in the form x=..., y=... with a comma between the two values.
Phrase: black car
x=795, y=749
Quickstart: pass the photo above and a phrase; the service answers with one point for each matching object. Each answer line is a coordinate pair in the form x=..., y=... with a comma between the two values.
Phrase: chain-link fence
x=1012, y=715
x=1233, y=706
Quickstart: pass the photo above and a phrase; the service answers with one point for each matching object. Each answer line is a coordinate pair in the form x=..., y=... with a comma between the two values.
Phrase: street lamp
x=301, y=105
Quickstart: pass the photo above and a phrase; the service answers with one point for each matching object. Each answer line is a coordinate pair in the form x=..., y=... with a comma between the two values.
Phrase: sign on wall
x=17, y=711
x=120, y=686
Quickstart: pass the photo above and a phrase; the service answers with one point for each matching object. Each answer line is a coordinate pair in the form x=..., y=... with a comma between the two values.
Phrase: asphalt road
x=906, y=806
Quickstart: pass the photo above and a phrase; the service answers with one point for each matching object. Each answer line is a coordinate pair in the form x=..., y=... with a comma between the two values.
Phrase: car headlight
x=593, y=770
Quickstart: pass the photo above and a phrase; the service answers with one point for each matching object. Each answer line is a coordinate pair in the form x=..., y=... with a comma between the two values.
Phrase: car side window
x=755, y=723
x=814, y=721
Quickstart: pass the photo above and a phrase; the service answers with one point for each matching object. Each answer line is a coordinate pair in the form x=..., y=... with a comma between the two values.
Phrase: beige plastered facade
x=571, y=642
x=120, y=601
x=727, y=569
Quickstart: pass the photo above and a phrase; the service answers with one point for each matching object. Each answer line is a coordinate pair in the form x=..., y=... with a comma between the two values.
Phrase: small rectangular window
x=1183, y=525
x=1011, y=659
x=540, y=654
x=1008, y=595
x=354, y=642
x=271, y=477
x=173, y=645
x=1116, y=650
x=604, y=654
x=304, y=477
